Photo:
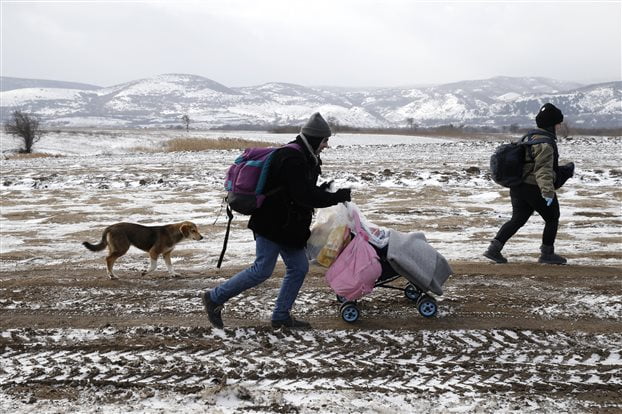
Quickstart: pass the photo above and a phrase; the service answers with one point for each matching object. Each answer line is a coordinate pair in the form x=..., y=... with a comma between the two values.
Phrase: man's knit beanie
x=548, y=116
x=316, y=127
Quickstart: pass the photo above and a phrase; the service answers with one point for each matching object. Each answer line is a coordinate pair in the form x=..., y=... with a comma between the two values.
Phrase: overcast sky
x=312, y=42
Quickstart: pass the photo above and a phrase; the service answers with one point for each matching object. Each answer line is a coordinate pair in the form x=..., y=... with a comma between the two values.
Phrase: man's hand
x=343, y=194
x=326, y=185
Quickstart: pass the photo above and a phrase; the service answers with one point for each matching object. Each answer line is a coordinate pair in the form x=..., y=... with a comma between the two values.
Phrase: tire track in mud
x=190, y=359
x=587, y=294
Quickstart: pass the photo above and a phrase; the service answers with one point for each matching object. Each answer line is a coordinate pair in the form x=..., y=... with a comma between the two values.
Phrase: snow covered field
x=440, y=187
x=508, y=339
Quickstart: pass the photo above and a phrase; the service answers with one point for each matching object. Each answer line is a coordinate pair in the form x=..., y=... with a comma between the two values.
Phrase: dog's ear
x=185, y=231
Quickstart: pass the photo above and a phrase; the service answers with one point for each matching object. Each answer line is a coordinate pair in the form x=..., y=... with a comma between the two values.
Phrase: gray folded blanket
x=412, y=257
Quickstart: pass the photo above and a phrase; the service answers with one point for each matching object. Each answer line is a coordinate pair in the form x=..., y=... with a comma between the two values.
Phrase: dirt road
x=515, y=332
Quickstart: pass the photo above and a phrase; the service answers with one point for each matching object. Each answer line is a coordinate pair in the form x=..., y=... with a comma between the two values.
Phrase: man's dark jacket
x=285, y=217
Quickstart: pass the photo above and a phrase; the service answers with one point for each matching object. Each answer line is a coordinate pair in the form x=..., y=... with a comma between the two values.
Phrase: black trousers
x=526, y=199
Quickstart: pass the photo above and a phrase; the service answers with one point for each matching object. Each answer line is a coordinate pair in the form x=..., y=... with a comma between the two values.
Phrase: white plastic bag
x=331, y=223
x=330, y=233
x=378, y=236
x=337, y=240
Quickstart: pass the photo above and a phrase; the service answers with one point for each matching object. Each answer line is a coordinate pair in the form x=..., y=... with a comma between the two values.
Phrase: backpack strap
x=265, y=177
x=547, y=138
x=224, y=245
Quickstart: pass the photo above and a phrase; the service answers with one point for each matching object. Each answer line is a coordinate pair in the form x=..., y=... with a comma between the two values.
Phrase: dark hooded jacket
x=285, y=215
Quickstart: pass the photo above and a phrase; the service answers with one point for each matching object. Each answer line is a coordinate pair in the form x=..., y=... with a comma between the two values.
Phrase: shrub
x=29, y=155
x=205, y=144
x=26, y=127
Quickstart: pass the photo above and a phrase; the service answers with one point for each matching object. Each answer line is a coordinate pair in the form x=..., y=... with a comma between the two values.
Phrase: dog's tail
x=99, y=246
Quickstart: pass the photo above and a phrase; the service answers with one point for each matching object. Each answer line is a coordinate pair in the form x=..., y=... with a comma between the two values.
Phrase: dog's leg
x=118, y=245
x=153, y=263
x=153, y=256
x=110, y=264
x=169, y=265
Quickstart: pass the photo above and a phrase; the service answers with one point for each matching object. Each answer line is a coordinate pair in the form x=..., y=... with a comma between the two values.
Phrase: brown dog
x=156, y=240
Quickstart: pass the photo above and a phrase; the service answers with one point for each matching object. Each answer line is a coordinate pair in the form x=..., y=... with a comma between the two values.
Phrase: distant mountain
x=162, y=100
x=7, y=84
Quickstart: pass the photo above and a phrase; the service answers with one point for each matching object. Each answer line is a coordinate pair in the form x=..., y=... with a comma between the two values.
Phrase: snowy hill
x=8, y=83
x=163, y=99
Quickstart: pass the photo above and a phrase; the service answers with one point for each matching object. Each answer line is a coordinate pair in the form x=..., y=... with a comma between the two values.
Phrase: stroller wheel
x=350, y=312
x=427, y=307
x=341, y=299
x=412, y=292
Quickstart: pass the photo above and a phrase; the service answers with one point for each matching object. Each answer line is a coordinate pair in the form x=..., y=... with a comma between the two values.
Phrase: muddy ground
x=514, y=338
x=515, y=332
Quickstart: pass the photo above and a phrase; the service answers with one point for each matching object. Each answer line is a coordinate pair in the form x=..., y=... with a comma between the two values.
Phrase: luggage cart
x=426, y=304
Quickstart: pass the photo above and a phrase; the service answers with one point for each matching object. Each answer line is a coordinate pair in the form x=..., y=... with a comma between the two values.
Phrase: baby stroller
x=407, y=255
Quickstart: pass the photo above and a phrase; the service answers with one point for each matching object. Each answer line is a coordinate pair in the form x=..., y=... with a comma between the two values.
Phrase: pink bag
x=357, y=268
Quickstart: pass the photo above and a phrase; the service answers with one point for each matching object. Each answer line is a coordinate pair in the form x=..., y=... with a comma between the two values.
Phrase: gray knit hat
x=316, y=126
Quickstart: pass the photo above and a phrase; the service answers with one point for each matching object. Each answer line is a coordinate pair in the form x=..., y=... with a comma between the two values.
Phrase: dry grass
x=24, y=156
x=204, y=144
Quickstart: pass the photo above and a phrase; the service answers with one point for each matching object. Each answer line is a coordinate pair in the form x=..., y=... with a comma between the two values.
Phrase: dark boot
x=494, y=252
x=290, y=323
x=548, y=256
x=213, y=309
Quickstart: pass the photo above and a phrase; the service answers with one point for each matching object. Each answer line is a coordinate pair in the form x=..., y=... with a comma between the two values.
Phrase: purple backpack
x=246, y=182
x=246, y=178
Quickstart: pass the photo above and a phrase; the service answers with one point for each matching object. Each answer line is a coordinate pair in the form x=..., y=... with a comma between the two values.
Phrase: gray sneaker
x=213, y=309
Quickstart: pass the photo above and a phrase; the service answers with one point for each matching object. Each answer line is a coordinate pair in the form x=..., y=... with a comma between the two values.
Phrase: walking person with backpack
x=541, y=177
x=281, y=225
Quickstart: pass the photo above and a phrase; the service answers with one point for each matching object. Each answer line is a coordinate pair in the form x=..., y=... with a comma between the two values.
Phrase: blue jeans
x=266, y=254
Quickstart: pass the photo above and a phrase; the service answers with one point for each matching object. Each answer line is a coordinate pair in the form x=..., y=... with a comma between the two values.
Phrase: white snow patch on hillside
x=509, y=97
x=19, y=96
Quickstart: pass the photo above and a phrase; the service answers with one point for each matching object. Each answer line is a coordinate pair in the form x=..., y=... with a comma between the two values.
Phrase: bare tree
x=186, y=120
x=26, y=127
x=410, y=122
x=333, y=123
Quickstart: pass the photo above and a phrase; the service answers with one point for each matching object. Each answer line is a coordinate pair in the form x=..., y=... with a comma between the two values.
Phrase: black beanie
x=548, y=116
x=316, y=126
